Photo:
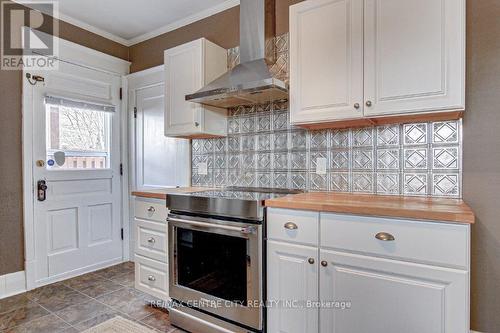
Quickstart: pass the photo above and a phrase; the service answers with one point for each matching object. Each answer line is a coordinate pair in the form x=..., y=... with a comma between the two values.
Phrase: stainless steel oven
x=216, y=268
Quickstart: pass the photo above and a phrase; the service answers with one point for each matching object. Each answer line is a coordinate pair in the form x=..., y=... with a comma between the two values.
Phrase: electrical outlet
x=203, y=168
x=321, y=166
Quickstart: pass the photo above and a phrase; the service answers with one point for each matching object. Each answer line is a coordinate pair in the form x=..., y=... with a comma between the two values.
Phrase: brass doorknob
x=384, y=236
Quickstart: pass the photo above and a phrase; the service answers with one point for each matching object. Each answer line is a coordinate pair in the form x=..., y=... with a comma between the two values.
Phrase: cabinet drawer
x=426, y=242
x=151, y=277
x=293, y=226
x=151, y=240
x=151, y=210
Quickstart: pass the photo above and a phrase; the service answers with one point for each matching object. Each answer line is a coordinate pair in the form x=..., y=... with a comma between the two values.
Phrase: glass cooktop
x=235, y=202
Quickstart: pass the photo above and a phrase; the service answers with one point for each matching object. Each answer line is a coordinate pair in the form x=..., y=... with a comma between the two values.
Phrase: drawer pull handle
x=291, y=226
x=151, y=278
x=311, y=260
x=384, y=236
x=151, y=209
x=151, y=240
x=324, y=263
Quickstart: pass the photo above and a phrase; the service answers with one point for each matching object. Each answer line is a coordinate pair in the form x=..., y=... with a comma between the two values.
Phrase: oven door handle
x=243, y=230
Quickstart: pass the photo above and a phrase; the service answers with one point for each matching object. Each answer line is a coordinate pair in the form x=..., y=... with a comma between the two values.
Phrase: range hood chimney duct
x=250, y=82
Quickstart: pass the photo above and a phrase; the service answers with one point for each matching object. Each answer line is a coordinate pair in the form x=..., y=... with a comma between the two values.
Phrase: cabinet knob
x=291, y=226
x=384, y=236
x=368, y=103
x=151, y=209
x=151, y=240
x=151, y=278
x=196, y=124
x=324, y=263
x=356, y=105
x=311, y=260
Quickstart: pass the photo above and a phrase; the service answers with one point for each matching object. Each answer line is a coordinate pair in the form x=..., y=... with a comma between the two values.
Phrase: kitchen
x=321, y=159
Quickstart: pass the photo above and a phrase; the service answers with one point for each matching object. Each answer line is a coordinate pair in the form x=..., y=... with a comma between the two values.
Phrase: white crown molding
x=167, y=28
x=93, y=29
x=185, y=21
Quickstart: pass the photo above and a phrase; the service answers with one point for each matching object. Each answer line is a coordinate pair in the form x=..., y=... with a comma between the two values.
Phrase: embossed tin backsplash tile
x=263, y=150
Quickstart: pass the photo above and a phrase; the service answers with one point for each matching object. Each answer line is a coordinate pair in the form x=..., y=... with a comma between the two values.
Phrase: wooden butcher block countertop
x=437, y=209
x=163, y=192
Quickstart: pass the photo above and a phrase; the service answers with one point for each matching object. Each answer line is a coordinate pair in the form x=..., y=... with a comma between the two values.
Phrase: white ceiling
x=132, y=21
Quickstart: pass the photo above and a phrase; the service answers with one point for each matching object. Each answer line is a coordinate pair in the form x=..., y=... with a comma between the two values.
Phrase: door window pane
x=83, y=134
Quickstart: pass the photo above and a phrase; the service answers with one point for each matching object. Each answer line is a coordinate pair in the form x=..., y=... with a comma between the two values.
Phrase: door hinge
x=121, y=94
x=121, y=169
x=121, y=233
x=135, y=112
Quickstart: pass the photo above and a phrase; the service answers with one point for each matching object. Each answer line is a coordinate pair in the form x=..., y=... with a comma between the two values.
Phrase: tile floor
x=82, y=302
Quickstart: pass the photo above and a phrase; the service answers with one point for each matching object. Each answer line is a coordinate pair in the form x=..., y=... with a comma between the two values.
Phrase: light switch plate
x=203, y=168
x=321, y=166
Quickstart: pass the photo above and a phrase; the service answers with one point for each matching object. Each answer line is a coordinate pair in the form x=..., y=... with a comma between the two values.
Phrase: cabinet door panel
x=391, y=297
x=183, y=67
x=291, y=278
x=326, y=60
x=414, y=55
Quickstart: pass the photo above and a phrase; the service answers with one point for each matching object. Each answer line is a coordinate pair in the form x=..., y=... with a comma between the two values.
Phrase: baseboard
x=76, y=272
x=12, y=284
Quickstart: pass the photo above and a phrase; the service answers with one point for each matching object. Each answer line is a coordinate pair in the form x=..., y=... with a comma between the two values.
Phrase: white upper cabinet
x=354, y=59
x=414, y=56
x=326, y=60
x=188, y=68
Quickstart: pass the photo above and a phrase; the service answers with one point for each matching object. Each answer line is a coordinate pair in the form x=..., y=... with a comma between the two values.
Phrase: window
x=81, y=131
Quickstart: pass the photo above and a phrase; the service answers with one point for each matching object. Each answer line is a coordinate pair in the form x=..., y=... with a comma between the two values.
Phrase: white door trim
x=85, y=57
x=139, y=80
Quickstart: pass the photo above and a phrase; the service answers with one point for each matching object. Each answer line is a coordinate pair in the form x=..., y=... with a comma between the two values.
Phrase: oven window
x=213, y=264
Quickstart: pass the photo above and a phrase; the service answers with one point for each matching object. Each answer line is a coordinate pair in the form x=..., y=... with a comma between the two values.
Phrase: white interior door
x=77, y=227
x=160, y=161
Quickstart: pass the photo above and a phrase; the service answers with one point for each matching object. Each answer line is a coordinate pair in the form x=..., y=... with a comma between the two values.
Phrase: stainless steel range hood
x=250, y=82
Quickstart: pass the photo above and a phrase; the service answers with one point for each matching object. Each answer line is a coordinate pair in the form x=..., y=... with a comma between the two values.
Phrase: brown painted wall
x=222, y=29
x=11, y=214
x=482, y=159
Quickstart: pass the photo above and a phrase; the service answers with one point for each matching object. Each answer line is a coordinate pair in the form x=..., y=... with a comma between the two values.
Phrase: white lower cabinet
x=390, y=296
x=151, y=244
x=151, y=277
x=292, y=281
x=355, y=281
